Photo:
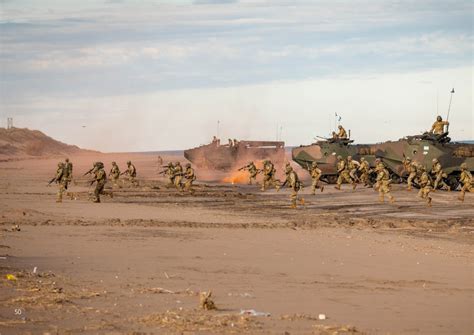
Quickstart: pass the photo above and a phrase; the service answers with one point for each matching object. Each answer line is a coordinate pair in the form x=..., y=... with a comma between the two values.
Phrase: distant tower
x=9, y=123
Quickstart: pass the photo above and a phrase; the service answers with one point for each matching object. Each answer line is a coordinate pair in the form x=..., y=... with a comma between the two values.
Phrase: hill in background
x=24, y=143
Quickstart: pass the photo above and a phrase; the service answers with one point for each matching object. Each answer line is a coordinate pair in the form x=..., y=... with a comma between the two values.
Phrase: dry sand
x=136, y=263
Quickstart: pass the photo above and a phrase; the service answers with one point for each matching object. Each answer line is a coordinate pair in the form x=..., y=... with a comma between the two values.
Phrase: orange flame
x=238, y=177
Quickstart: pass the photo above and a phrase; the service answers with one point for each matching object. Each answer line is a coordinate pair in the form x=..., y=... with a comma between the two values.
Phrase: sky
x=138, y=75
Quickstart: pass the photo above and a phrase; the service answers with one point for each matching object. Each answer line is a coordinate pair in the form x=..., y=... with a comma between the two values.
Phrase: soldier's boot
x=392, y=199
x=429, y=202
x=111, y=194
x=337, y=187
x=302, y=201
x=461, y=197
x=381, y=198
x=354, y=185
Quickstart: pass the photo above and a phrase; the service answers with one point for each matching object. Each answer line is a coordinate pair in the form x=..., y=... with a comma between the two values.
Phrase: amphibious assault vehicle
x=229, y=156
x=421, y=148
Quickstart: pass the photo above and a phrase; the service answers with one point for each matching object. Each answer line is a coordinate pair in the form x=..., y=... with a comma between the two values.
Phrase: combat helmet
x=464, y=166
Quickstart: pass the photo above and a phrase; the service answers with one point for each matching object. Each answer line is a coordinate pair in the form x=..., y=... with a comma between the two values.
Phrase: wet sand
x=137, y=262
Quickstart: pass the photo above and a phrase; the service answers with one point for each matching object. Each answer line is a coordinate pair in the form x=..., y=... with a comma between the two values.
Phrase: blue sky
x=161, y=73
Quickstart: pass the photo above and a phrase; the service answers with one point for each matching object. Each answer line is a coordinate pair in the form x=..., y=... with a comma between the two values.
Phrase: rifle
x=89, y=172
x=124, y=172
x=163, y=172
x=242, y=168
x=51, y=181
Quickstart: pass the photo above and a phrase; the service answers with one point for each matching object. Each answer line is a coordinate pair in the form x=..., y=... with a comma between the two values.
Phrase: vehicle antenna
x=449, y=107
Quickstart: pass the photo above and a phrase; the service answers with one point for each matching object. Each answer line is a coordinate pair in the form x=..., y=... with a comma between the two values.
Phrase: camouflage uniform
x=170, y=173
x=100, y=178
x=114, y=174
x=379, y=165
x=383, y=182
x=343, y=173
x=412, y=168
x=253, y=171
x=364, y=169
x=61, y=179
x=342, y=134
x=269, y=178
x=190, y=177
x=178, y=175
x=352, y=166
x=315, y=173
x=425, y=187
x=466, y=181
x=438, y=173
x=131, y=172
x=68, y=169
x=294, y=183
x=438, y=127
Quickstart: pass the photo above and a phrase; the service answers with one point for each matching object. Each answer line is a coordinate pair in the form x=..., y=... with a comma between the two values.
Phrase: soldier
x=68, y=169
x=269, y=177
x=425, y=186
x=438, y=173
x=160, y=161
x=379, y=165
x=253, y=171
x=383, y=182
x=412, y=168
x=100, y=178
x=178, y=175
x=466, y=180
x=438, y=127
x=343, y=173
x=189, y=177
x=294, y=183
x=315, y=173
x=131, y=172
x=352, y=166
x=61, y=178
x=364, y=169
x=169, y=171
x=342, y=134
x=114, y=174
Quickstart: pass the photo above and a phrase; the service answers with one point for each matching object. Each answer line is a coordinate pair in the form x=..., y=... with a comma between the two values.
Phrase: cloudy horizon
x=156, y=75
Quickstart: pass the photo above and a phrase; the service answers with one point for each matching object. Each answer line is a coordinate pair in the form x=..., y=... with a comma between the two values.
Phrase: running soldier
x=100, y=178
x=253, y=171
x=189, y=177
x=466, y=181
x=352, y=166
x=294, y=183
x=61, y=179
x=178, y=176
x=412, y=168
x=315, y=173
x=269, y=178
x=343, y=173
x=439, y=175
x=68, y=169
x=383, y=182
x=114, y=174
x=131, y=172
x=425, y=186
x=364, y=170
